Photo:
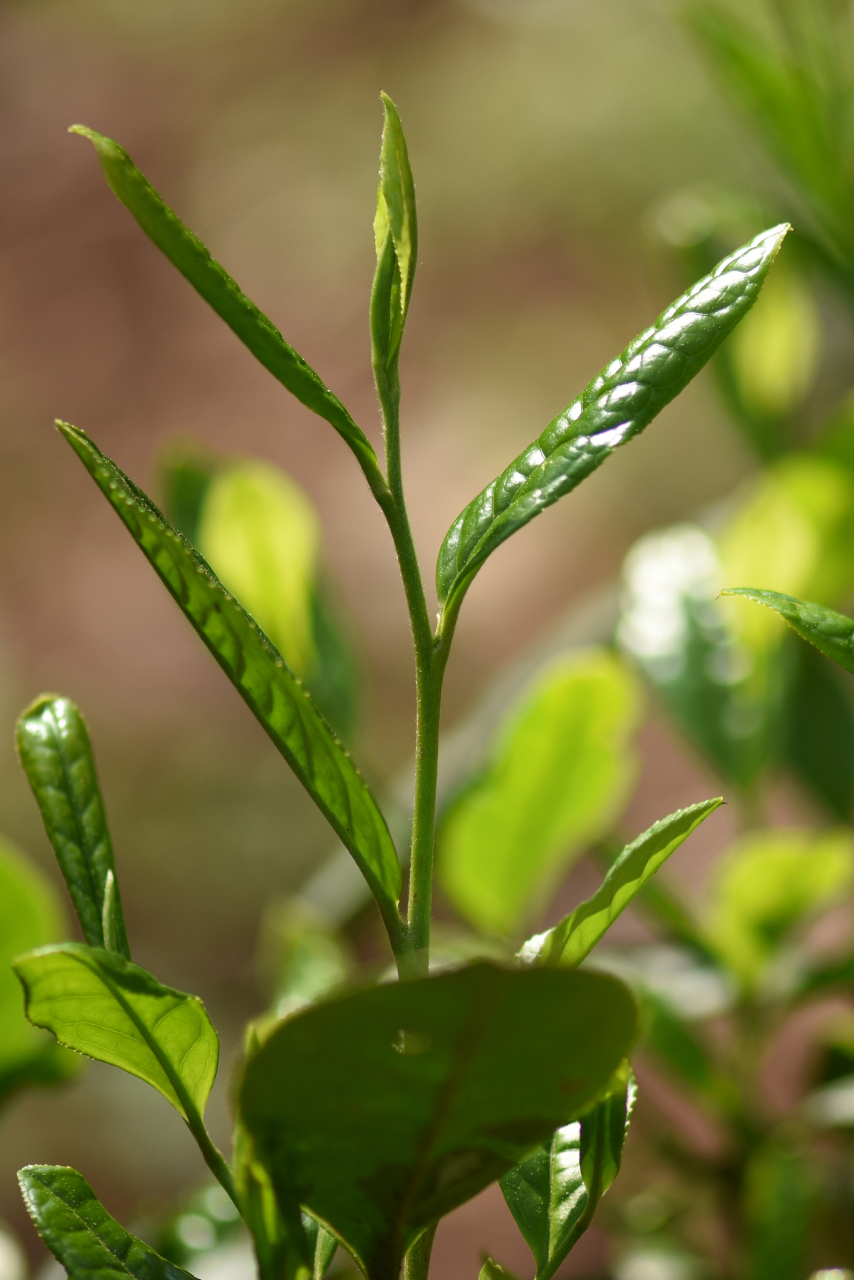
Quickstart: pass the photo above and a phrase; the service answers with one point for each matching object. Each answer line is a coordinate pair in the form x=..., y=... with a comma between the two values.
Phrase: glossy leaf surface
x=251, y=326
x=77, y=1229
x=615, y=407
x=100, y=1004
x=29, y=917
x=383, y=1110
x=554, y=1192
x=577, y=934
x=56, y=755
x=560, y=771
x=831, y=632
x=767, y=883
x=255, y=668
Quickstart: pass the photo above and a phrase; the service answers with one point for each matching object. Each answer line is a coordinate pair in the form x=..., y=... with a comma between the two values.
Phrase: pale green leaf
x=100, y=1004
x=560, y=771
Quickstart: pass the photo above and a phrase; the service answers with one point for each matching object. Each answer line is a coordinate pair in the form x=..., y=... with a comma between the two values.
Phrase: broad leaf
x=258, y=672
x=29, y=917
x=560, y=772
x=54, y=749
x=80, y=1233
x=554, y=1192
x=829, y=631
x=382, y=1111
x=100, y=1004
x=577, y=934
x=765, y=885
x=396, y=236
x=218, y=289
x=614, y=408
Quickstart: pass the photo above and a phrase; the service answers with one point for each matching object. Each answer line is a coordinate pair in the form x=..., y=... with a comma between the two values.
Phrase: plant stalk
x=213, y=1157
x=416, y=1264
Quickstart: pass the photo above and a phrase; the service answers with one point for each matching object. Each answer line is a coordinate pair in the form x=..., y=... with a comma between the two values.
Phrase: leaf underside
x=382, y=1111
x=614, y=408
x=251, y=326
x=276, y=697
x=100, y=1004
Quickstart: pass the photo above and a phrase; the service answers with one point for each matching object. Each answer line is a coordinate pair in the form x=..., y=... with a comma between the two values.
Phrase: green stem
x=416, y=1265
x=213, y=1157
x=413, y=952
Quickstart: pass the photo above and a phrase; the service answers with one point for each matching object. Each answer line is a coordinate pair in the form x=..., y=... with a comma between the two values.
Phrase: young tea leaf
x=396, y=236
x=100, y=1004
x=829, y=631
x=561, y=769
x=382, y=1111
x=554, y=1192
x=29, y=917
x=258, y=672
x=218, y=289
x=613, y=409
x=80, y=1233
x=56, y=755
x=577, y=934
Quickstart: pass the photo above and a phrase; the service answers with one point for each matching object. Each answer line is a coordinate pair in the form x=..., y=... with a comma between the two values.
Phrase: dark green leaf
x=560, y=771
x=614, y=408
x=77, y=1229
x=217, y=288
x=54, y=749
x=29, y=917
x=100, y=1004
x=382, y=1111
x=820, y=738
x=185, y=470
x=553, y=1193
x=322, y=1246
x=258, y=672
x=576, y=935
x=780, y=1191
x=278, y=1232
x=829, y=631
x=396, y=236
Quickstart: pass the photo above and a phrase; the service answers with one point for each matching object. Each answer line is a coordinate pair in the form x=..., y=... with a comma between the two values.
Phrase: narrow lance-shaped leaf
x=396, y=236
x=613, y=409
x=100, y=1004
x=252, y=327
x=553, y=1193
x=56, y=755
x=382, y=1111
x=829, y=631
x=256, y=669
x=79, y=1232
x=577, y=934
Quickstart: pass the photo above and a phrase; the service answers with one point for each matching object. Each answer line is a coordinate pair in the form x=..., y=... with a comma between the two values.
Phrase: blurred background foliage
x=577, y=163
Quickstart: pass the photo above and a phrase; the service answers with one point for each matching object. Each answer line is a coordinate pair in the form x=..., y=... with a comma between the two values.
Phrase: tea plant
x=365, y=1117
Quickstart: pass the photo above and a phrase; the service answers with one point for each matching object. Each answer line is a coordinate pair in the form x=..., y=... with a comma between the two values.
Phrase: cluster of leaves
x=364, y=1115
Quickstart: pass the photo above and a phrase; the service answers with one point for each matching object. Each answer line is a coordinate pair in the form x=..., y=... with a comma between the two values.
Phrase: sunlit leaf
x=100, y=1004
x=80, y=1233
x=54, y=749
x=767, y=883
x=831, y=632
x=29, y=917
x=254, y=666
x=577, y=934
x=396, y=236
x=382, y=1111
x=261, y=534
x=554, y=1192
x=560, y=772
x=218, y=289
x=614, y=408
